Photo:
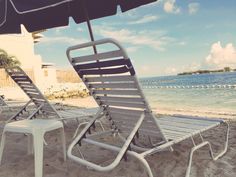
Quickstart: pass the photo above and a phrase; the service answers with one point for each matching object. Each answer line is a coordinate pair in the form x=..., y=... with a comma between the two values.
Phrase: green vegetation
x=226, y=69
x=63, y=94
x=7, y=60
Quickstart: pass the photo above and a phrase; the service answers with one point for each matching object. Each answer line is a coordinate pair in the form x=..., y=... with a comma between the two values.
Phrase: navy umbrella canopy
x=44, y=14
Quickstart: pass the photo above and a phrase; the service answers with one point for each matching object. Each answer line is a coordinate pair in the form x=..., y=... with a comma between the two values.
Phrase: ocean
x=208, y=95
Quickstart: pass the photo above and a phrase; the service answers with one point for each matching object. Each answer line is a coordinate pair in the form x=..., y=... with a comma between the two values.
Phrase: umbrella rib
x=5, y=15
x=41, y=8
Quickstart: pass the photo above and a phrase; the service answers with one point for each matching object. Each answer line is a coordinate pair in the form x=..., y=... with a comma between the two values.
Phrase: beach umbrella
x=44, y=14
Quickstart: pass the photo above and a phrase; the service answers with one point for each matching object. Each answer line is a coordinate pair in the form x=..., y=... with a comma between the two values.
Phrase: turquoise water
x=211, y=95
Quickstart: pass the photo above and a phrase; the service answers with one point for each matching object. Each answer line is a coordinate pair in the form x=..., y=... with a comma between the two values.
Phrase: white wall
x=50, y=76
x=22, y=46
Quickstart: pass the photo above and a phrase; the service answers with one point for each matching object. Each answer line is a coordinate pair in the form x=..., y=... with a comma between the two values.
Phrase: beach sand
x=16, y=162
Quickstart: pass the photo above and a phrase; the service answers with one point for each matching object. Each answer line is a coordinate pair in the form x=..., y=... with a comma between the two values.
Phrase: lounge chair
x=37, y=98
x=111, y=80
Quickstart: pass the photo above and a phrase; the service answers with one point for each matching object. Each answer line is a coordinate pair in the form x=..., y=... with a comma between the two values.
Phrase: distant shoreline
x=224, y=70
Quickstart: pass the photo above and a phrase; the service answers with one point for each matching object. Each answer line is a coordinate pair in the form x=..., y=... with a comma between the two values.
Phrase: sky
x=163, y=38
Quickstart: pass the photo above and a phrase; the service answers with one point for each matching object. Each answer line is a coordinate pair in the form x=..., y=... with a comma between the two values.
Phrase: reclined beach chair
x=111, y=80
x=37, y=98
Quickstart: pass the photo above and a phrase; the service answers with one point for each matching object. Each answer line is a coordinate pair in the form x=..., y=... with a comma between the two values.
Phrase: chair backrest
x=110, y=78
x=30, y=89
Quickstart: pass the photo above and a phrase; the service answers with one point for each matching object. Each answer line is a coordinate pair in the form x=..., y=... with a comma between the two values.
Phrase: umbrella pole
x=91, y=33
x=92, y=39
x=89, y=26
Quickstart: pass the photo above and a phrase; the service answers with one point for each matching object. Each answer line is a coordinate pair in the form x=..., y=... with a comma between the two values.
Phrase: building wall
x=22, y=47
x=67, y=76
x=49, y=75
x=6, y=81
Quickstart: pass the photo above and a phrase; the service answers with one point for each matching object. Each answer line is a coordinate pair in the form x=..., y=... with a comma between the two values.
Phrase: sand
x=16, y=162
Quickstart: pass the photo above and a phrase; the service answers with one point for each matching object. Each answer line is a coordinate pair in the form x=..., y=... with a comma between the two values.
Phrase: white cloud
x=132, y=49
x=182, y=43
x=156, y=40
x=194, y=66
x=147, y=70
x=170, y=7
x=131, y=14
x=170, y=70
x=62, y=39
x=220, y=56
x=209, y=26
x=59, y=30
x=80, y=29
x=173, y=70
x=193, y=8
x=145, y=19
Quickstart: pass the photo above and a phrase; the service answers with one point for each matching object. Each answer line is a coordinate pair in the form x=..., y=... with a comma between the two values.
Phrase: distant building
x=227, y=69
x=49, y=74
x=22, y=47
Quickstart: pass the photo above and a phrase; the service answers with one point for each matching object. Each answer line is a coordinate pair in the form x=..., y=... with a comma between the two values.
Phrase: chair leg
x=84, y=123
x=225, y=145
x=63, y=139
x=101, y=125
x=30, y=144
x=78, y=128
x=205, y=143
x=38, y=153
x=2, y=145
x=143, y=161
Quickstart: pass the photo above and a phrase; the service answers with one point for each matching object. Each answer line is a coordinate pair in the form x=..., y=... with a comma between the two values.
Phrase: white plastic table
x=37, y=128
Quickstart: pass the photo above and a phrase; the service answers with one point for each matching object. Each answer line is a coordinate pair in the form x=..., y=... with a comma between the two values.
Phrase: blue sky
x=163, y=38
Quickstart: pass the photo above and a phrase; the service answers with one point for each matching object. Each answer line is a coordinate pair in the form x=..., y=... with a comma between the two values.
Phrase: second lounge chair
x=38, y=99
x=111, y=80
